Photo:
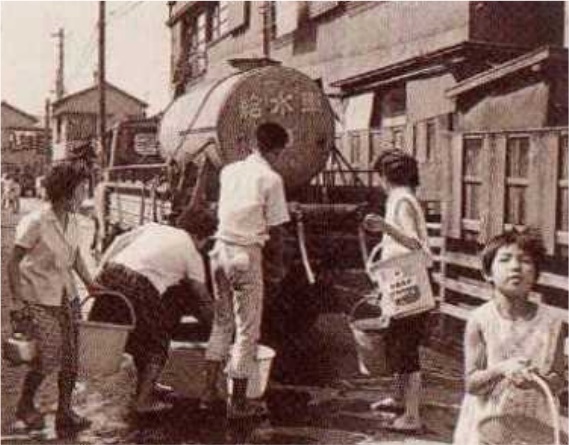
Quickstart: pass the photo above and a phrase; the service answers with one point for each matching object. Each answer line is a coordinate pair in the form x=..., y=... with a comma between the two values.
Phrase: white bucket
x=257, y=383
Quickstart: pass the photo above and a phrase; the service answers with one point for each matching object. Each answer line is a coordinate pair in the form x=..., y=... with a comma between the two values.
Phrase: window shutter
x=237, y=14
x=287, y=17
x=316, y=9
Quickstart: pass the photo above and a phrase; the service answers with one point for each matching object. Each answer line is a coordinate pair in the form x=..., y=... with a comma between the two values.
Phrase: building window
x=517, y=179
x=219, y=20
x=194, y=42
x=415, y=139
x=355, y=148
x=471, y=181
x=390, y=107
x=58, y=128
x=563, y=195
x=431, y=140
x=282, y=18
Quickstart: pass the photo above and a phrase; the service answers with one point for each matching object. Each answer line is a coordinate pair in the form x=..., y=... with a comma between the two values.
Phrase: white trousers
x=238, y=291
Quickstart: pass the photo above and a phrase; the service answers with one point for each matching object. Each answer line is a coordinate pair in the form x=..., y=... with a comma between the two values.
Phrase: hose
x=302, y=247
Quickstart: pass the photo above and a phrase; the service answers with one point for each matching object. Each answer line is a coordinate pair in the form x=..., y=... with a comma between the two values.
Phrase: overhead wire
x=89, y=48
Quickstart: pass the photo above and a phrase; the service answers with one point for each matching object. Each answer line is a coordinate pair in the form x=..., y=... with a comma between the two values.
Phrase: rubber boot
x=146, y=401
x=210, y=394
x=26, y=411
x=239, y=406
x=67, y=420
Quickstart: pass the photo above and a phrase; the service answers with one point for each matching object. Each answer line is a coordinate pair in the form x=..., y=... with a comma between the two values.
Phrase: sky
x=137, y=50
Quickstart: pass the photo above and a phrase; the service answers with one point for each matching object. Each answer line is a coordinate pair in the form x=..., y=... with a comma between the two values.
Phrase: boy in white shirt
x=251, y=203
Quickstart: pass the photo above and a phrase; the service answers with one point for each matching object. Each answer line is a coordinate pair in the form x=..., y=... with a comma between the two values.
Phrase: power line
x=87, y=52
x=131, y=7
x=116, y=11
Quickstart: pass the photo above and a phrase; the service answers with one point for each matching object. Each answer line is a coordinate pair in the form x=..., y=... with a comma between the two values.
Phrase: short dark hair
x=62, y=180
x=197, y=221
x=270, y=137
x=398, y=167
x=528, y=239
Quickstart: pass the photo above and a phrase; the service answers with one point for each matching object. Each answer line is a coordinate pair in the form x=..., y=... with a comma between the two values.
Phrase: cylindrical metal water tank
x=227, y=113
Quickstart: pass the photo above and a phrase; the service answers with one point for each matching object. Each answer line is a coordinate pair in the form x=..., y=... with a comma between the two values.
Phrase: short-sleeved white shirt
x=251, y=200
x=46, y=269
x=416, y=228
x=163, y=254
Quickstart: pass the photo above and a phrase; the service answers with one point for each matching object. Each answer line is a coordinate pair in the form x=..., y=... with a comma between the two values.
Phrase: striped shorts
x=54, y=329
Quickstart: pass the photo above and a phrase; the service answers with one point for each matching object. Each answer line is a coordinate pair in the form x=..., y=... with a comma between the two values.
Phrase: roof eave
x=526, y=61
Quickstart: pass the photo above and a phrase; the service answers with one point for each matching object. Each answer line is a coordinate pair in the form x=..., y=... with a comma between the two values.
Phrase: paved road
x=337, y=413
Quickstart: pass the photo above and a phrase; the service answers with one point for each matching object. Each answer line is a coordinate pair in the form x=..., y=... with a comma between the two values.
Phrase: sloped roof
x=33, y=119
x=79, y=94
x=509, y=68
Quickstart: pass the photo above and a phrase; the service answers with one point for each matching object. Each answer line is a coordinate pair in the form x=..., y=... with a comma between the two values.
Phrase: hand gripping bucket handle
x=112, y=293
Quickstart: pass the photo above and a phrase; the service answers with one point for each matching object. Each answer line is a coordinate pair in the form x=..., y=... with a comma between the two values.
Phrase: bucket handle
x=552, y=406
x=352, y=312
x=114, y=294
x=370, y=259
x=542, y=384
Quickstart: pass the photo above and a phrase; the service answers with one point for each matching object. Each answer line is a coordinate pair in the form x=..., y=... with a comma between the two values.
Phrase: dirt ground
x=337, y=412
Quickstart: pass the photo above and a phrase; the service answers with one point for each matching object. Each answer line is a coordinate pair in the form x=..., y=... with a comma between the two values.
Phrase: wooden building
x=386, y=66
x=74, y=122
x=25, y=148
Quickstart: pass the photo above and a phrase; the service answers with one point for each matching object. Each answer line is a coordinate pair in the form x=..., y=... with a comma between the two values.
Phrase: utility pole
x=59, y=78
x=101, y=84
x=46, y=149
x=266, y=11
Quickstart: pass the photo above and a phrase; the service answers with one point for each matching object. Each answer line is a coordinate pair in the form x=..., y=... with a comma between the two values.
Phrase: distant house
x=74, y=119
x=24, y=142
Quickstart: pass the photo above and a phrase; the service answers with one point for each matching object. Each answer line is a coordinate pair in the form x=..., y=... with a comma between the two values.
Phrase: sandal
x=153, y=407
x=404, y=424
x=388, y=404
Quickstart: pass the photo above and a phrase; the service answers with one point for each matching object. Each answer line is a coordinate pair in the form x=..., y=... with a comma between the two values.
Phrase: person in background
x=159, y=269
x=252, y=206
x=509, y=337
x=11, y=193
x=44, y=296
x=4, y=182
x=404, y=230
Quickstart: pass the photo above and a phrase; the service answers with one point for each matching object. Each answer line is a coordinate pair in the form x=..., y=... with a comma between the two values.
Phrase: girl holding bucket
x=404, y=229
x=507, y=342
x=44, y=297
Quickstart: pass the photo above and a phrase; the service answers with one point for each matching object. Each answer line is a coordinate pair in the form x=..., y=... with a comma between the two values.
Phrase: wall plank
x=542, y=192
x=455, y=193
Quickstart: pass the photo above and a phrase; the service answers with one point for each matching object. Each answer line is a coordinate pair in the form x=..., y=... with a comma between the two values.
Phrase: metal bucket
x=369, y=335
x=101, y=345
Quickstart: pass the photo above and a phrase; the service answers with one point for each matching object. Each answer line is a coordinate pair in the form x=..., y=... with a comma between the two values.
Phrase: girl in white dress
x=405, y=229
x=509, y=337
